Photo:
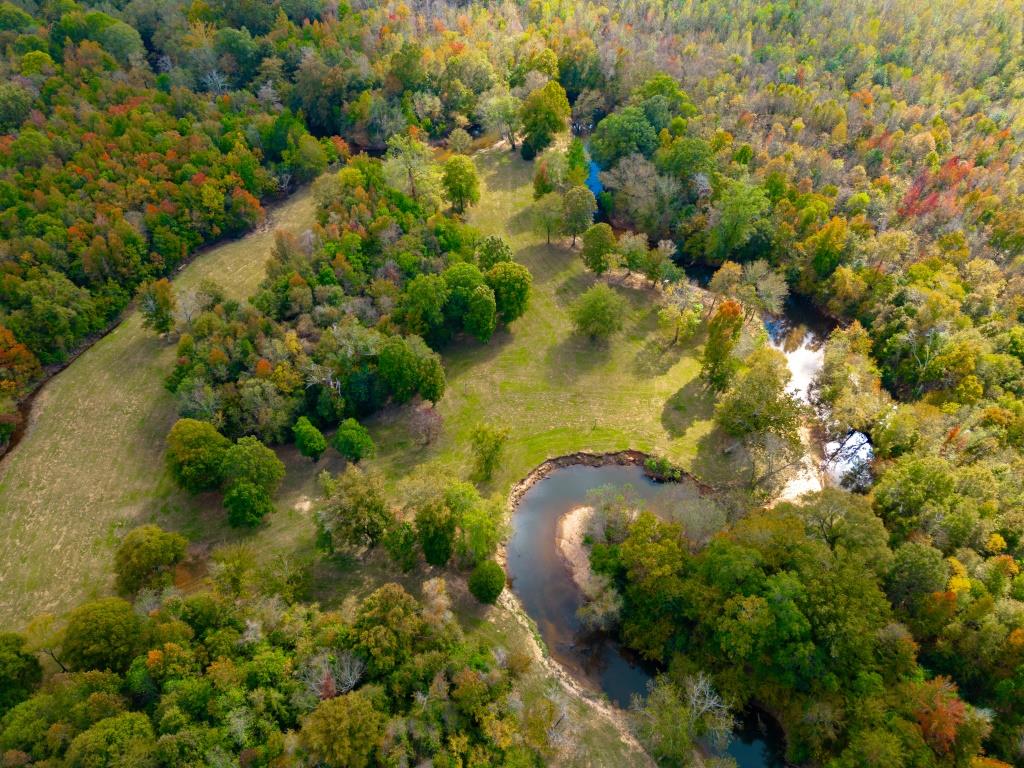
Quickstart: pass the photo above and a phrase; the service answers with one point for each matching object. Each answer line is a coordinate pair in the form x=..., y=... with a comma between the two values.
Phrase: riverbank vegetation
x=447, y=310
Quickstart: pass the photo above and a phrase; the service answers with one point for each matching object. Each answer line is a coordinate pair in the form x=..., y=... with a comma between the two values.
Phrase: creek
x=541, y=579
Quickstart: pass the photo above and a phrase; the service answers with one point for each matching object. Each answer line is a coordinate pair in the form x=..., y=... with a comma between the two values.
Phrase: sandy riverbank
x=572, y=527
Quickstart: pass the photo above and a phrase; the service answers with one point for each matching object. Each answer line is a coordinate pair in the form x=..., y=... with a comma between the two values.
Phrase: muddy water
x=540, y=578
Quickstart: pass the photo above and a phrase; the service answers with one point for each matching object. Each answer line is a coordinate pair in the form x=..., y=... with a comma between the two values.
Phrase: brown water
x=541, y=579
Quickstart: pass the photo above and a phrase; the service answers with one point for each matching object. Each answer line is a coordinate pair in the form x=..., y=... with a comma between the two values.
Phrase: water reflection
x=541, y=579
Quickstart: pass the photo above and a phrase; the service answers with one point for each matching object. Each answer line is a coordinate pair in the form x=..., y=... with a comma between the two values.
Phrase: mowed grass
x=91, y=462
x=556, y=392
x=91, y=465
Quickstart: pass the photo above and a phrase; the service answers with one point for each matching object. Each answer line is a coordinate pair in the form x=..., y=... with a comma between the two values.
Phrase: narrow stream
x=541, y=579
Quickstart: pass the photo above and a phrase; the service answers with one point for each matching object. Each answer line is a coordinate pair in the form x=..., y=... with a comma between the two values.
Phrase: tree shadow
x=722, y=462
x=572, y=286
x=689, y=404
x=656, y=357
x=504, y=172
x=519, y=222
x=573, y=356
x=544, y=261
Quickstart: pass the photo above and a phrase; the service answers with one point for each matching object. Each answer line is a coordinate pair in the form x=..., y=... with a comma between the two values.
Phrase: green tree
x=398, y=367
x=251, y=461
x=247, y=504
x=623, y=133
x=492, y=250
x=671, y=722
x=481, y=315
x=157, y=304
x=578, y=208
x=488, y=442
x=409, y=165
x=146, y=558
x=737, y=214
x=353, y=441
x=480, y=529
x=547, y=215
x=917, y=570
x=103, y=634
x=421, y=307
x=459, y=141
x=599, y=313
x=717, y=363
x=758, y=403
x=386, y=628
x=511, y=285
x=577, y=169
x=355, y=512
x=501, y=112
x=15, y=105
x=913, y=489
x=20, y=672
x=460, y=181
x=195, y=455
x=435, y=528
x=308, y=439
x=345, y=731
x=123, y=739
x=305, y=158
x=401, y=543
x=544, y=113
x=598, y=246
x=487, y=581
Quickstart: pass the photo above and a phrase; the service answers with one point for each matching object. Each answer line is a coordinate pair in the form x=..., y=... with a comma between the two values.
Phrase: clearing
x=91, y=464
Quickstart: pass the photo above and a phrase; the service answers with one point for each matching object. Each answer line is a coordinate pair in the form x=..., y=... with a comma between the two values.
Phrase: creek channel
x=541, y=579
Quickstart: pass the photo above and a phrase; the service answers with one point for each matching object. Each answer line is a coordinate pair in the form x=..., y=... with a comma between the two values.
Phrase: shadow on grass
x=465, y=352
x=722, y=462
x=575, y=355
x=656, y=357
x=519, y=222
x=572, y=286
x=544, y=261
x=691, y=403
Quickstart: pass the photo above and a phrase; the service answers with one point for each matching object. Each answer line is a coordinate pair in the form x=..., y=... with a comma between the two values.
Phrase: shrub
x=353, y=441
x=308, y=439
x=487, y=581
x=247, y=504
x=146, y=557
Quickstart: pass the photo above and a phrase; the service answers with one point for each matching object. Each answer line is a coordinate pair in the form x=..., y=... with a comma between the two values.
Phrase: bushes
x=146, y=558
x=247, y=504
x=308, y=439
x=661, y=469
x=353, y=441
x=195, y=455
x=487, y=582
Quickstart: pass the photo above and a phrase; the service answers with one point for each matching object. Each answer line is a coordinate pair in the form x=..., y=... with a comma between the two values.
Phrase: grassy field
x=91, y=464
x=555, y=391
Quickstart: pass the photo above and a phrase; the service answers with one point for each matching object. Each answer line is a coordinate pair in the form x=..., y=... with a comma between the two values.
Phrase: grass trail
x=91, y=461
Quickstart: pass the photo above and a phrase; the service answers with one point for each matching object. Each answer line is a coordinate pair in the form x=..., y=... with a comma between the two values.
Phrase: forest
x=542, y=235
